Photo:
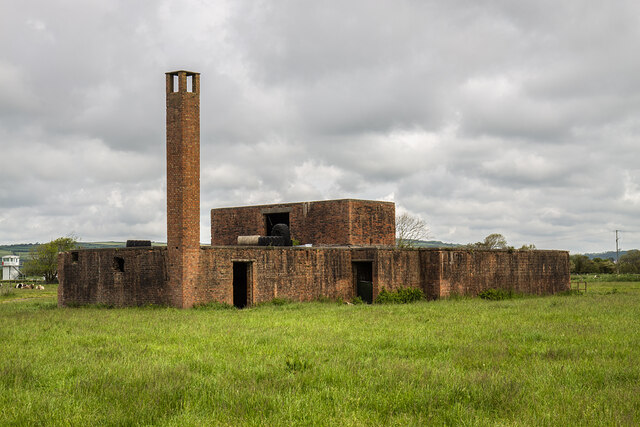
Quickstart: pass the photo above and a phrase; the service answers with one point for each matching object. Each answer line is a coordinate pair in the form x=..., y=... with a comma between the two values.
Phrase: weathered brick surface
x=304, y=274
x=530, y=272
x=397, y=268
x=300, y=274
x=183, y=185
x=329, y=222
x=95, y=277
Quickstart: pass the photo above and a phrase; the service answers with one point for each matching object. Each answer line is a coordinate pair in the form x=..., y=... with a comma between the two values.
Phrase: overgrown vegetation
x=399, y=296
x=276, y=302
x=214, y=305
x=557, y=360
x=7, y=292
x=357, y=300
x=496, y=294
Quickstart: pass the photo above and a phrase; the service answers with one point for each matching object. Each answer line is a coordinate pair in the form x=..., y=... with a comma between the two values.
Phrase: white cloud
x=491, y=116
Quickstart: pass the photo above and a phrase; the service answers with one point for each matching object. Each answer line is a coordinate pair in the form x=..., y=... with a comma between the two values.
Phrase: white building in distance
x=10, y=267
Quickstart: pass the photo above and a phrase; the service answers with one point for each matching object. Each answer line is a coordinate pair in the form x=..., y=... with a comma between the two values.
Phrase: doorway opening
x=241, y=274
x=363, y=276
x=272, y=219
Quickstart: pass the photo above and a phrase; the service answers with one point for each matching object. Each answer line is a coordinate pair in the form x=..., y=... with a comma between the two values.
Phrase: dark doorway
x=240, y=281
x=363, y=275
x=272, y=219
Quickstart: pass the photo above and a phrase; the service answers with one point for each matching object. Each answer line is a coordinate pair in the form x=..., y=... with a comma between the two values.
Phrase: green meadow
x=556, y=360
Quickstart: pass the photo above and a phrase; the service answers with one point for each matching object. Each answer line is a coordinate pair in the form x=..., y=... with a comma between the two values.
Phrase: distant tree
x=604, y=266
x=529, y=247
x=410, y=229
x=630, y=262
x=43, y=259
x=581, y=264
x=492, y=241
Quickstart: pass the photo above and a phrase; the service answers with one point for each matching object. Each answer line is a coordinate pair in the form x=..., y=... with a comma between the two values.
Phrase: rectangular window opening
x=75, y=256
x=190, y=83
x=118, y=264
x=175, y=83
x=272, y=219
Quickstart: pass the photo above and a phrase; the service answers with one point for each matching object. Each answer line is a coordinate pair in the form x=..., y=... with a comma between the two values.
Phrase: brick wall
x=398, y=268
x=304, y=274
x=529, y=272
x=95, y=277
x=330, y=222
x=372, y=222
x=300, y=274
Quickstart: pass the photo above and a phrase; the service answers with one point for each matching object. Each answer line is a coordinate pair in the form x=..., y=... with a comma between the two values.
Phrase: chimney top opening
x=175, y=83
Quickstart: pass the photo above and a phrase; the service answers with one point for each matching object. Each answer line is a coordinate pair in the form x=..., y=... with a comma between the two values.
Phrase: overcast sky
x=515, y=117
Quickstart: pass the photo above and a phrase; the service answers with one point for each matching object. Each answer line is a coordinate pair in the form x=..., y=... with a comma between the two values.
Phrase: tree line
x=43, y=259
x=628, y=263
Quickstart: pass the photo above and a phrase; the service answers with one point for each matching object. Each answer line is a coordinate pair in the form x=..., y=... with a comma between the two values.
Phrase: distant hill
x=23, y=249
x=101, y=245
x=435, y=244
x=605, y=255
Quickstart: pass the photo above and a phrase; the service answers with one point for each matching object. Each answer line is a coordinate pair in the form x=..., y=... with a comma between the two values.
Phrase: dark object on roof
x=271, y=241
x=282, y=230
x=138, y=243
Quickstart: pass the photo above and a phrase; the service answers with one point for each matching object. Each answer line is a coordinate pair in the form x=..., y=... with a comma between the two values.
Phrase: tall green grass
x=9, y=293
x=598, y=277
x=560, y=360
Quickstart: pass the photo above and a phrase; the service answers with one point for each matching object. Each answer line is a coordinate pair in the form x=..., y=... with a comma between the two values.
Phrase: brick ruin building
x=346, y=247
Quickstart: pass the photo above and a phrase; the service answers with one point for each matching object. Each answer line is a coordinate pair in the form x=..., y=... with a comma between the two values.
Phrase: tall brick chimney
x=183, y=185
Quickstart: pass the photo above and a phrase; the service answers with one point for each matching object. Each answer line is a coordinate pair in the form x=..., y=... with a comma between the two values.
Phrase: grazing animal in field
x=40, y=287
x=19, y=286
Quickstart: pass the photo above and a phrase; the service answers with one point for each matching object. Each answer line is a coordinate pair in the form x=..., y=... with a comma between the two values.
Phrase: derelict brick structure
x=119, y=277
x=329, y=222
x=352, y=252
x=124, y=277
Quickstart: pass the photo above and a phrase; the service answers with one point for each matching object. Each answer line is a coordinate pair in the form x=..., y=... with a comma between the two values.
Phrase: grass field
x=9, y=294
x=558, y=360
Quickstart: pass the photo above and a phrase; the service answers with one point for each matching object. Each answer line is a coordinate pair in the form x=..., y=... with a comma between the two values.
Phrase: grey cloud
x=488, y=116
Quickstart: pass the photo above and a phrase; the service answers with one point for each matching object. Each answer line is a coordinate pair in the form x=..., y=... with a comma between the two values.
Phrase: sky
x=484, y=116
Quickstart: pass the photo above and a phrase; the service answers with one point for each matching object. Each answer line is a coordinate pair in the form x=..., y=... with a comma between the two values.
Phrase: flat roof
x=299, y=203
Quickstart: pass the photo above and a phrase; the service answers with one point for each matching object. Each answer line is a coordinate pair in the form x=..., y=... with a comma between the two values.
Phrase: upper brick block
x=329, y=222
